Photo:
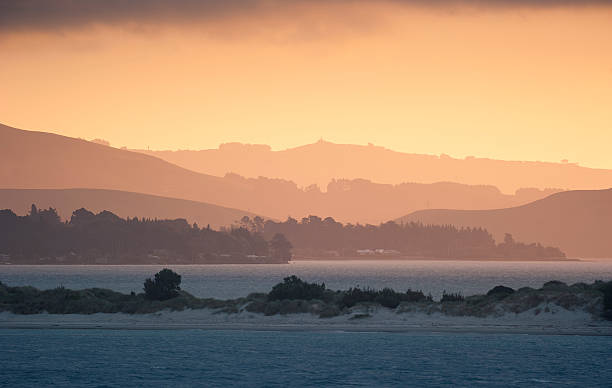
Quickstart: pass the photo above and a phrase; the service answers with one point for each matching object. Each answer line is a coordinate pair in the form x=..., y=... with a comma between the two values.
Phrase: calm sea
x=184, y=358
x=231, y=281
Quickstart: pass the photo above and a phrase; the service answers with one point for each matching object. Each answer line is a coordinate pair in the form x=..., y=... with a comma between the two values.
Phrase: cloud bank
x=54, y=14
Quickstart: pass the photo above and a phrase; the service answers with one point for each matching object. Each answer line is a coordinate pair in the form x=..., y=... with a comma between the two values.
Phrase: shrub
x=554, y=285
x=416, y=296
x=451, y=297
x=293, y=287
x=356, y=295
x=500, y=291
x=166, y=285
x=606, y=289
x=386, y=297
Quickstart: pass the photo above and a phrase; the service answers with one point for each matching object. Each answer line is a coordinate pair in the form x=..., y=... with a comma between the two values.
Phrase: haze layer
x=514, y=80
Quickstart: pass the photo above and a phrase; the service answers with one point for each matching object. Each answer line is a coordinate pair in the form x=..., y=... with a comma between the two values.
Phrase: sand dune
x=556, y=321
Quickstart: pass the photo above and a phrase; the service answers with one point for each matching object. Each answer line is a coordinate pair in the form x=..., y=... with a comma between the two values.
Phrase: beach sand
x=557, y=321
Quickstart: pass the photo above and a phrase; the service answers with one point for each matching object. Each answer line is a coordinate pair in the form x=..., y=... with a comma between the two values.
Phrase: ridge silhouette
x=323, y=161
x=578, y=222
x=42, y=160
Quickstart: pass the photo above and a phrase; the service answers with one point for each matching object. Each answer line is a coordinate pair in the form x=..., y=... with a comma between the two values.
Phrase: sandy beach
x=556, y=322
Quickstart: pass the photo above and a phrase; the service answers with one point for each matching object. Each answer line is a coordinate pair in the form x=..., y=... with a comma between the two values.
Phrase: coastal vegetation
x=41, y=237
x=293, y=287
x=314, y=236
x=165, y=285
x=453, y=297
x=294, y=295
x=104, y=238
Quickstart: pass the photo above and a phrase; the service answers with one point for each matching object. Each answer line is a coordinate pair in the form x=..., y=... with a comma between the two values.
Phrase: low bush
x=554, y=285
x=500, y=291
x=451, y=297
x=294, y=295
x=606, y=289
x=386, y=297
x=293, y=287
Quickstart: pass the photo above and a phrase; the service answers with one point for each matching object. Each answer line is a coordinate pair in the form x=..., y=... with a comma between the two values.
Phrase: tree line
x=316, y=236
x=87, y=237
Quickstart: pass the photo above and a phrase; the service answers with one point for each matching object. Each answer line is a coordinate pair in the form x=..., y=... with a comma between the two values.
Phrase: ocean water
x=216, y=358
x=183, y=358
x=231, y=281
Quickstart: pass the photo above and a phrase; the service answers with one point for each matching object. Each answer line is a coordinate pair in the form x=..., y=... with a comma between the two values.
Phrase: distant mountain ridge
x=578, y=222
x=123, y=204
x=321, y=162
x=39, y=160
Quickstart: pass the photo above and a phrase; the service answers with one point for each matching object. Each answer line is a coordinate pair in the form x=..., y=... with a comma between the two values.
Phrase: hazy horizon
x=308, y=193
x=525, y=80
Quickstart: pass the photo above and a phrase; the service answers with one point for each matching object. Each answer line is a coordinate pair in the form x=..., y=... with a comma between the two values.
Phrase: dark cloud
x=51, y=14
x=68, y=13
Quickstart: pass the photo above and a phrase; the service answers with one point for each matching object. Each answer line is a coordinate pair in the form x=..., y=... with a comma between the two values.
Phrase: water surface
x=231, y=281
x=181, y=358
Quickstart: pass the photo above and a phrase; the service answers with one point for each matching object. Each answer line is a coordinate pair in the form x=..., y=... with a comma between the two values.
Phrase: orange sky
x=501, y=82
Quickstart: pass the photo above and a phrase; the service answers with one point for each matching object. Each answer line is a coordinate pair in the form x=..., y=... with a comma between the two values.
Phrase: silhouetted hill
x=323, y=161
x=43, y=160
x=123, y=204
x=47, y=161
x=578, y=222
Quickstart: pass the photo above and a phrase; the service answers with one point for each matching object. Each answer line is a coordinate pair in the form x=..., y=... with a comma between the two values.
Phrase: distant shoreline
x=297, y=259
x=217, y=262
x=412, y=258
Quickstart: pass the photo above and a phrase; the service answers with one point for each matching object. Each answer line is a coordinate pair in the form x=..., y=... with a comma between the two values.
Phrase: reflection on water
x=230, y=281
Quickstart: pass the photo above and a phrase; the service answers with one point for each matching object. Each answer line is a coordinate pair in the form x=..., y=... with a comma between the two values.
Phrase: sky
x=515, y=80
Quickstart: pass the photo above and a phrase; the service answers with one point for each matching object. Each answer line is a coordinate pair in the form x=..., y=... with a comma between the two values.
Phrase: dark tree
x=166, y=285
x=88, y=237
x=293, y=287
x=280, y=247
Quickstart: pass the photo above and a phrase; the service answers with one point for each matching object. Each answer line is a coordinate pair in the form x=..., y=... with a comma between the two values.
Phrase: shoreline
x=378, y=258
x=295, y=305
x=348, y=328
x=380, y=321
x=331, y=259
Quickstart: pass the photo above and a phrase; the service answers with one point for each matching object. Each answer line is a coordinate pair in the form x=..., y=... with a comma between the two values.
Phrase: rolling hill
x=323, y=161
x=578, y=222
x=32, y=159
x=122, y=203
x=39, y=160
